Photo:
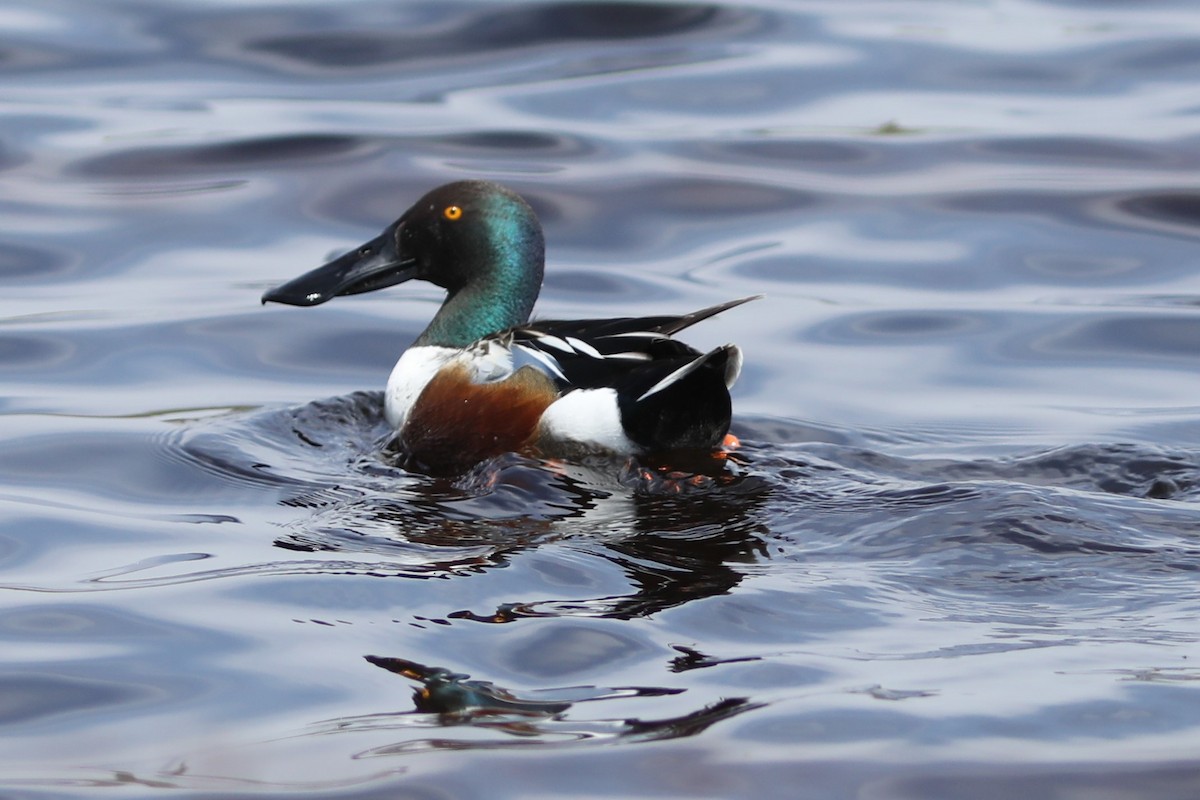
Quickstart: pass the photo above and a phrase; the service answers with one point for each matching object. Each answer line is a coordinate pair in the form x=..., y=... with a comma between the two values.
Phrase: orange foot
x=670, y=481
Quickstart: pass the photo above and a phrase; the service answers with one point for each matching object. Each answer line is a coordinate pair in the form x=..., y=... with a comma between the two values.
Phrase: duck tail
x=688, y=408
x=674, y=325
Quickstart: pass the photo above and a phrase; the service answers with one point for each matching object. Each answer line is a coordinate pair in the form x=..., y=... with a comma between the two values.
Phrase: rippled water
x=956, y=556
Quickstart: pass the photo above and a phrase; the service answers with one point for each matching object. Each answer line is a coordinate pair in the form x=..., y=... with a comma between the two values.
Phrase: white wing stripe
x=583, y=347
x=678, y=374
x=556, y=343
x=633, y=335
x=545, y=359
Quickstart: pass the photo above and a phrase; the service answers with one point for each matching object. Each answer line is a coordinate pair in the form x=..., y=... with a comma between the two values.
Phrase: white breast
x=486, y=361
x=416, y=367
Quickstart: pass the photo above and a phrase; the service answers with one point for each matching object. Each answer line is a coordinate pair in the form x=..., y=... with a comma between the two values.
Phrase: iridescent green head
x=476, y=239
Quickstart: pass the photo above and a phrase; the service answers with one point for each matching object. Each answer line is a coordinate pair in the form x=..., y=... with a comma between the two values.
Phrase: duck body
x=481, y=380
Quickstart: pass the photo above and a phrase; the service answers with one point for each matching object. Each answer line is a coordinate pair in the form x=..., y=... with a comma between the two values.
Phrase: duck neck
x=499, y=298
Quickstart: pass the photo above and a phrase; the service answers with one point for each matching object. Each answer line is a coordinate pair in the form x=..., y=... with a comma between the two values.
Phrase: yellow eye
x=452, y=213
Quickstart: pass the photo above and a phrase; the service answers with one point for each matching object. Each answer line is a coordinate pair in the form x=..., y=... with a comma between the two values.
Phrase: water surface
x=955, y=557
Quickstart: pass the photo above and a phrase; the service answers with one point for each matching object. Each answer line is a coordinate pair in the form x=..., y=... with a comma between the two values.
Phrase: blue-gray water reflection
x=955, y=556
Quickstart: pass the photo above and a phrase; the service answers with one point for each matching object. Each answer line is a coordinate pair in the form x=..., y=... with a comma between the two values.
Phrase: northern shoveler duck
x=482, y=380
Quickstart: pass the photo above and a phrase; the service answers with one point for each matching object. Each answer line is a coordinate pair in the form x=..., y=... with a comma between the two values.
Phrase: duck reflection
x=677, y=535
x=445, y=699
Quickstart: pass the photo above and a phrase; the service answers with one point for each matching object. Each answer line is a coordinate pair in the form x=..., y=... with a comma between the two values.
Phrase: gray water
x=955, y=557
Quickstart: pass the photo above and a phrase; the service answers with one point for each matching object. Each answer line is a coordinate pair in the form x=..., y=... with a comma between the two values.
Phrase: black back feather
x=633, y=355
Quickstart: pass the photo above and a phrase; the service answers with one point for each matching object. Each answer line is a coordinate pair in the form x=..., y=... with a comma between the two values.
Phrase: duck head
x=479, y=241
